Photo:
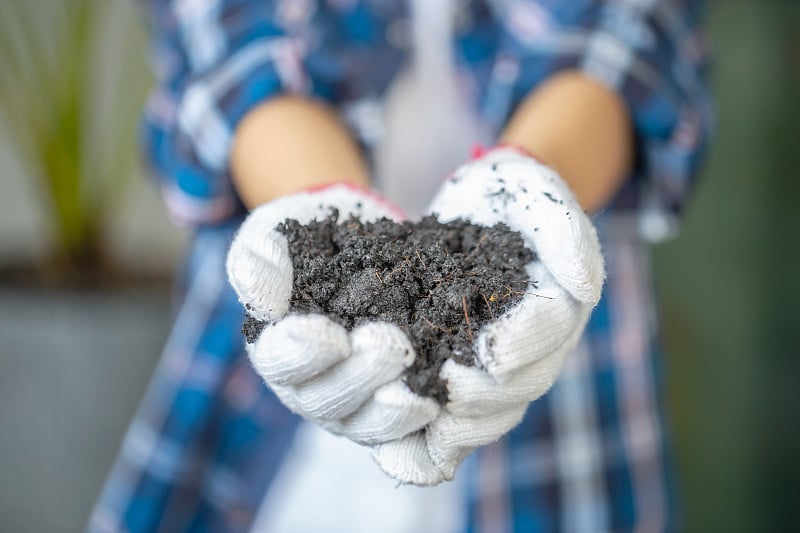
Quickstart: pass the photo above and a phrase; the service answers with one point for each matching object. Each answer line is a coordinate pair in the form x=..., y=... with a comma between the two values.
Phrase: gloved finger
x=260, y=270
x=380, y=352
x=288, y=397
x=451, y=438
x=472, y=392
x=449, y=432
x=297, y=348
x=448, y=461
x=407, y=460
x=540, y=324
x=393, y=412
x=564, y=238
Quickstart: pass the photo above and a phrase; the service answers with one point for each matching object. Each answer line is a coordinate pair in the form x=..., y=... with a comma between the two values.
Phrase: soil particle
x=252, y=328
x=552, y=198
x=501, y=195
x=440, y=283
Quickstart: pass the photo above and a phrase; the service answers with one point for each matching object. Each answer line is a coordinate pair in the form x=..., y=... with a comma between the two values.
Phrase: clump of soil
x=439, y=282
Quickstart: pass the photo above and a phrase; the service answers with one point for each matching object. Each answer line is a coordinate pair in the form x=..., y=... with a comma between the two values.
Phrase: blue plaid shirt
x=592, y=454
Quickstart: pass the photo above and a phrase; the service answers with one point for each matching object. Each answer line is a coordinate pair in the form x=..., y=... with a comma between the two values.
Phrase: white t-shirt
x=327, y=483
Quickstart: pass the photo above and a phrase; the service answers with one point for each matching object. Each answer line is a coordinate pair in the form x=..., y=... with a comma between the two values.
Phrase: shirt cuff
x=189, y=135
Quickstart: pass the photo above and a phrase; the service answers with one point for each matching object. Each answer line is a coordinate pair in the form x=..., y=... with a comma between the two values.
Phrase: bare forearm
x=581, y=129
x=288, y=144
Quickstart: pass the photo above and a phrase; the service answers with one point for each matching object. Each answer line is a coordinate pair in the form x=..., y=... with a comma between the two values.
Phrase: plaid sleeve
x=214, y=60
x=653, y=55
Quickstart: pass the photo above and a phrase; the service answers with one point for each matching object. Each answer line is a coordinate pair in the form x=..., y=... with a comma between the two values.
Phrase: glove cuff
x=479, y=151
x=372, y=194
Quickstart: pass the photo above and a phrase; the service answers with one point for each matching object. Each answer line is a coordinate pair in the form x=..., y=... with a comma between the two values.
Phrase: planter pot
x=73, y=367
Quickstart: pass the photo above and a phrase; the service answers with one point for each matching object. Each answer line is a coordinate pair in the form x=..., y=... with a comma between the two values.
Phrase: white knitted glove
x=520, y=353
x=349, y=383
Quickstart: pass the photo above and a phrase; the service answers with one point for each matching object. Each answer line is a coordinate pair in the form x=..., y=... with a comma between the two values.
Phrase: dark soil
x=438, y=282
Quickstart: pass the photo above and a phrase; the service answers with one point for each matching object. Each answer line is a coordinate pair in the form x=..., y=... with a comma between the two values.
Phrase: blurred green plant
x=70, y=98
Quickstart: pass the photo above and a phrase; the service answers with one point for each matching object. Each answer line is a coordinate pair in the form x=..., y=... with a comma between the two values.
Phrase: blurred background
x=86, y=255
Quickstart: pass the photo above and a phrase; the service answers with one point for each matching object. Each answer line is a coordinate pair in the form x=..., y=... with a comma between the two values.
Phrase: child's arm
x=288, y=144
x=581, y=129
